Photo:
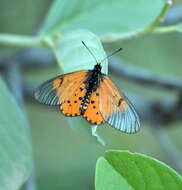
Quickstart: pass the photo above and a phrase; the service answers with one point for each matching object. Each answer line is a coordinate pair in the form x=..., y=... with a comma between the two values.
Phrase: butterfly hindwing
x=59, y=89
x=116, y=109
x=92, y=113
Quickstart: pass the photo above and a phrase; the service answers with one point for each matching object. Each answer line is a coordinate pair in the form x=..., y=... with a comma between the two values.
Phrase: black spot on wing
x=120, y=100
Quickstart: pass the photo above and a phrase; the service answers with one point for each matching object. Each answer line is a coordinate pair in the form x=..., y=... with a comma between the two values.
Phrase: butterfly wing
x=92, y=113
x=116, y=109
x=59, y=89
x=71, y=107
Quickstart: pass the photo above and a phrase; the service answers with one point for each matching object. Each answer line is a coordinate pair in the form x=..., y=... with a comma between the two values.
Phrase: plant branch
x=143, y=76
x=20, y=40
x=41, y=57
x=165, y=29
x=160, y=18
x=25, y=41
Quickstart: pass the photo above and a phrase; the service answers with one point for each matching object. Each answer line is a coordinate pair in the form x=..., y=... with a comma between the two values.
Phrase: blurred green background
x=65, y=158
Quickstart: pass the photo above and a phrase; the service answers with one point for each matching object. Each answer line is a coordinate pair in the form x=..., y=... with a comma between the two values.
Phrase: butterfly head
x=98, y=67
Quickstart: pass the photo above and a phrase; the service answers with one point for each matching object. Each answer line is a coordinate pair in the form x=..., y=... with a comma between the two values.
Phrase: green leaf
x=106, y=178
x=110, y=19
x=15, y=148
x=72, y=55
x=142, y=172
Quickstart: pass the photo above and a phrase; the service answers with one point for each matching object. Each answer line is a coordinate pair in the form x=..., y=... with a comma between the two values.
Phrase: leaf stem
x=165, y=29
x=160, y=17
x=20, y=40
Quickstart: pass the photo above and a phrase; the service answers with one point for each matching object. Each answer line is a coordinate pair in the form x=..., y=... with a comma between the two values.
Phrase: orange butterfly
x=93, y=95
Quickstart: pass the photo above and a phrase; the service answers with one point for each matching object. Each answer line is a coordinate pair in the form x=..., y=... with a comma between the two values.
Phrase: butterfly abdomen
x=91, y=84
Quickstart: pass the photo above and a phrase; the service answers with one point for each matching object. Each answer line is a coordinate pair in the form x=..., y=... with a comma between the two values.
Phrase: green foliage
x=80, y=59
x=108, y=178
x=16, y=153
x=66, y=25
x=111, y=20
x=125, y=170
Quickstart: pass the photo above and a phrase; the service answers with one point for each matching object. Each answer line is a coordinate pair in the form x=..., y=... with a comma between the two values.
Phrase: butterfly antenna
x=90, y=51
x=118, y=50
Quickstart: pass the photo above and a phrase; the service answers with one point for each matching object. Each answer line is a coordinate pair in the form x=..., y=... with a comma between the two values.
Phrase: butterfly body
x=91, y=82
x=93, y=95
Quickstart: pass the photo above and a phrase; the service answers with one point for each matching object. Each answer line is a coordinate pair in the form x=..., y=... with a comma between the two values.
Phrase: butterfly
x=91, y=94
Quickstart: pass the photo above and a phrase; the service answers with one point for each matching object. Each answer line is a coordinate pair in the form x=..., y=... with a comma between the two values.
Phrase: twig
x=20, y=40
x=36, y=57
x=165, y=29
x=145, y=77
x=160, y=18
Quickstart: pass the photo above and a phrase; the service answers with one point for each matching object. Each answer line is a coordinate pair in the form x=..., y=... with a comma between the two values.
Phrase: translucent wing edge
x=47, y=94
x=127, y=122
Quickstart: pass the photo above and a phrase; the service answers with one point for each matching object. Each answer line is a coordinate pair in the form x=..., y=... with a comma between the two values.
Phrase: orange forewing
x=71, y=83
x=59, y=89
